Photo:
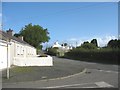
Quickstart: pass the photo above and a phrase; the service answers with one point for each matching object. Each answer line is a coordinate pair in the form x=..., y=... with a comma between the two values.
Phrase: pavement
x=61, y=68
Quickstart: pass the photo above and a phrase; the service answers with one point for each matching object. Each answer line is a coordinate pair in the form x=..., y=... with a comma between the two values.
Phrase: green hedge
x=52, y=51
x=95, y=55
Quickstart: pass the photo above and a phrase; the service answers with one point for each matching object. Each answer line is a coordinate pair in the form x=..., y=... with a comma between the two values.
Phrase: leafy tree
x=34, y=35
x=85, y=42
x=17, y=35
x=64, y=44
x=39, y=47
x=114, y=43
x=119, y=43
x=88, y=46
x=94, y=41
x=53, y=51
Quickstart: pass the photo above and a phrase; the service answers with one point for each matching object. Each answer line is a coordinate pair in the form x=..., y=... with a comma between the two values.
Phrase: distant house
x=56, y=44
x=62, y=47
x=12, y=47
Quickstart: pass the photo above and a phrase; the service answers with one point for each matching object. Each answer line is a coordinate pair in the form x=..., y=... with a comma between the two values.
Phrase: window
x=18, y=50
x=21, y=50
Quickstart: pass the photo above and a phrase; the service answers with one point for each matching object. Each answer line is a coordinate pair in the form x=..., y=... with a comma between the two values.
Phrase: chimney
x=10, y=32
x=20, y=37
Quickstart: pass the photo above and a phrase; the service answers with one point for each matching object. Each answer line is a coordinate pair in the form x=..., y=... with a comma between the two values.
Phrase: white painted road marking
x=104, y=71
x=101, y=84
x=108, y=71
x=70, y=85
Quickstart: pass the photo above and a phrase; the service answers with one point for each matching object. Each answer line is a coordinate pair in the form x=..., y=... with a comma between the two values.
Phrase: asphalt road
x=61, y=68
x=95, y=76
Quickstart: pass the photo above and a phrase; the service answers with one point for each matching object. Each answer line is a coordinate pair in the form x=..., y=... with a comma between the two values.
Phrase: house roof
x=5, y=36
x=56, y=44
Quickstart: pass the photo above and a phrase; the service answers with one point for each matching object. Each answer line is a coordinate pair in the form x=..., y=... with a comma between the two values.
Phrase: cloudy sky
x=68, y=22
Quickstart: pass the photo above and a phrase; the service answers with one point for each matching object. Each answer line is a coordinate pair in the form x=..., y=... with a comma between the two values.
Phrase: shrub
x=106, y=55
x=88, y=46
x=52, y=51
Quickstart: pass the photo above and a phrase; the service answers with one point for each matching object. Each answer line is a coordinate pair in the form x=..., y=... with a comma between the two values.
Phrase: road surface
x=95, y=75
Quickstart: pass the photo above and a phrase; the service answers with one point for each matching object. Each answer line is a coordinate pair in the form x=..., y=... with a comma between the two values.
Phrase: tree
x=64, y=44
x=53, y=51
x=119, y=43
x=17, y=35
x=85, y=42
x=114, y=43
x=94, y=41
x=34, y=35
x=87, y=45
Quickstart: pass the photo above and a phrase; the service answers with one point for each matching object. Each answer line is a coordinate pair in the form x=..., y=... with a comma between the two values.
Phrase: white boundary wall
x=33, y=61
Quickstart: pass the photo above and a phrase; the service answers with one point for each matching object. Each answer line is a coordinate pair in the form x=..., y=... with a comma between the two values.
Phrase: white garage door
x=3, y=55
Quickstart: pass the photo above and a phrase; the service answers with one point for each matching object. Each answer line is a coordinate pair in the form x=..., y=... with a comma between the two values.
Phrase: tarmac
x=61, y=68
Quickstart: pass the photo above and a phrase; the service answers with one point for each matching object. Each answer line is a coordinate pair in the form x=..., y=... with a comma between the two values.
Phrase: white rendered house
x=15, y=51
x=12, y=47
x=56, y=44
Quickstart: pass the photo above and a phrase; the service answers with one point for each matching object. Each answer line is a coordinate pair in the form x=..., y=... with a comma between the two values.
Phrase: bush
x=106, y=55
x=88, y=46
x=52, y=51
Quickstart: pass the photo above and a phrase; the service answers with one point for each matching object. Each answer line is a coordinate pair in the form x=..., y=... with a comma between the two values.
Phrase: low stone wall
x=33, y=61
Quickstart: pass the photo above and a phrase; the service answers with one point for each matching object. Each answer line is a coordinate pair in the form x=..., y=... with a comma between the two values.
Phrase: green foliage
x=16, y=35
x=86, y=42
x=34, y=35
x=92, y=45
x=105, y=55
x=94, y=41
x=39, y=47
x=21, y=69
x=114, y=44
x=53, y=51
x=64, y=44
x=89, y=52
x=88, y=46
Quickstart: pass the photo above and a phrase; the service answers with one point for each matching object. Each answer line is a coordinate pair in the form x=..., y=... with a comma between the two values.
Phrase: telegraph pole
x=76, y=43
